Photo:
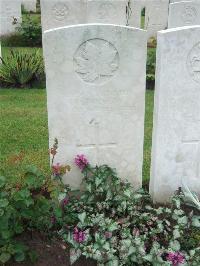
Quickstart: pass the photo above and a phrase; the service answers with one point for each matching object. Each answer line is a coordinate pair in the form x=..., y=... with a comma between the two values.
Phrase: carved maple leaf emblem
x=96, y=59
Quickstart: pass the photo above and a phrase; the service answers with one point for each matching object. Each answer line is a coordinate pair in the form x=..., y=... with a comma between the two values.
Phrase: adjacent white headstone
x=135, y=12
x=185, y=13
x=156, y=15
x=107, y=11
x=10, y=16
x=176, y=134
x=59, y=13
x=96, y=94
x=29, y=5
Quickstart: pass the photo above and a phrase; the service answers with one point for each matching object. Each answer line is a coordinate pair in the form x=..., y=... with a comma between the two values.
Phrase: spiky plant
x=190, y=197
x=21, y=68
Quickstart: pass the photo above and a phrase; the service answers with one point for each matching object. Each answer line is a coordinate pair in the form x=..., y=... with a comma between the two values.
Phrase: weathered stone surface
x=176, y=136
x=156, y=15
x=107, y=11
x=135, y=12
x=61, y=13
x=96, y=90
x=71, y=12
x=185, y=13
x=10, y=16
x=29, y=5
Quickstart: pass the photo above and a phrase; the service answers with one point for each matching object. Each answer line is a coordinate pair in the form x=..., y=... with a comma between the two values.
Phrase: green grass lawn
x=24, y=132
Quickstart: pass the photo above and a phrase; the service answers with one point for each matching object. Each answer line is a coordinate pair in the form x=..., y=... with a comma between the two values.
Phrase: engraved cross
x=97, y=144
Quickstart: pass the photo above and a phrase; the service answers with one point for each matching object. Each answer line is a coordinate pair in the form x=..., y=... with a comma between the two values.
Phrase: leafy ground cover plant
x=20, y=69
x=106, y=220
x=116, y=226
x=25, y=207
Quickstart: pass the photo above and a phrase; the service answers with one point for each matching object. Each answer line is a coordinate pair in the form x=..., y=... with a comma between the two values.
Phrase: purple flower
x=176, y=258
x=78, y=235
x=81, y=161
x=108, y=235
x=64, y=202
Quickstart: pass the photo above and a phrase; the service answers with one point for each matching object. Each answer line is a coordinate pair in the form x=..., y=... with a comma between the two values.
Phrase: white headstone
x=135, y=12
x=156, y=15
x=59, y=13
x=107, y=11
x=29, y=5
x=10, y=16
x=176, y=134
x=185, y=13
x=96, y=93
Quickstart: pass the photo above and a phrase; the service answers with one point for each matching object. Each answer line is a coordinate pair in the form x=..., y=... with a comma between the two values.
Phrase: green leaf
x=31, y=169
x=4, y=257
x=20, y=256
x=1, y=212
x=175, y=245
x=176, y=234
x=2, y=181
x=127, y=193
x=58, y=212
x=183, y=220
x=98, y=182
x=3, y=203
x=196, y=221
x=82, y=217
x=6, y=234
x=18, y=228
x=89, y=187
x=112, y=227
x=74, y=255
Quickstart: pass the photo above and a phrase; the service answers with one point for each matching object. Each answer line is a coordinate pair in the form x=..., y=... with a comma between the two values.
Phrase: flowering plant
x=113, y=224
x=107, y=220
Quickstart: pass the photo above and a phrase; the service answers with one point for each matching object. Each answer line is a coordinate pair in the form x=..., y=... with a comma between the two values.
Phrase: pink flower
x=56, y=169
x=176, y=258
x=78, y=235
x=81, y=161
x=64, y=202
x=108, y=235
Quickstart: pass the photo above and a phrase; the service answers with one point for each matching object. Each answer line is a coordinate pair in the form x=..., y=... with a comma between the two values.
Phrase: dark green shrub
x=31, y=30
x=29, y=33
x=22, y=69
x=151, y=67
x=13, y=40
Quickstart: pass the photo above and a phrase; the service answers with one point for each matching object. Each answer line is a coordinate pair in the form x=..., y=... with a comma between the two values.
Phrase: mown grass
x=24, y=134
x=24, y=131
x=148, y=134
